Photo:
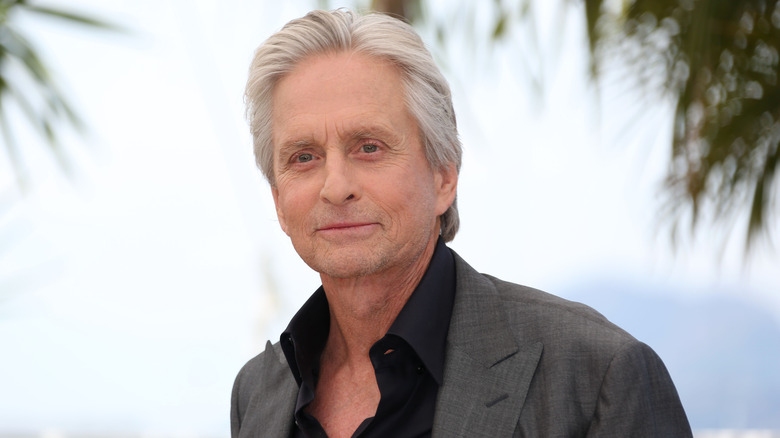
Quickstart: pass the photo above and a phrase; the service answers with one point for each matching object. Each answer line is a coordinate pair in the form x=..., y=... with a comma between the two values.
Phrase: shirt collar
x=425, y=318
x=422, y=323
x=305, y=336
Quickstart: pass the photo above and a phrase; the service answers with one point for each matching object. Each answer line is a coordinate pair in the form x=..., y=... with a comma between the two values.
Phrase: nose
x=340, y=185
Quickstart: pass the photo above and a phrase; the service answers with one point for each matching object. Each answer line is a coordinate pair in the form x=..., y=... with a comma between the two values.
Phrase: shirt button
x=420, y=369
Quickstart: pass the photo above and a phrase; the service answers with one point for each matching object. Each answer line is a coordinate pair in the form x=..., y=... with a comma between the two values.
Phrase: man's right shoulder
x=267, y=369
x=263, y=388
x=259, y=364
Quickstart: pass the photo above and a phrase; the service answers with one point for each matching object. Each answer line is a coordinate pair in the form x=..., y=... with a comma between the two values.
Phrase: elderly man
x=354, y=129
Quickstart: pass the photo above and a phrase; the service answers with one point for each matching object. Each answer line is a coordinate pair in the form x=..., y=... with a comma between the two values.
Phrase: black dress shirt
x=408, y=376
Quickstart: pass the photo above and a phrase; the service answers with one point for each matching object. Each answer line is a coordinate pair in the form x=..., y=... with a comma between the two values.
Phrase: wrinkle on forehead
x=335, y=106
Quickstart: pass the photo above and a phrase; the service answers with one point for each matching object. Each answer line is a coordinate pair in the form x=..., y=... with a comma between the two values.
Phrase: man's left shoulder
x=533, y=308
x=572, y=333
x=538, y=315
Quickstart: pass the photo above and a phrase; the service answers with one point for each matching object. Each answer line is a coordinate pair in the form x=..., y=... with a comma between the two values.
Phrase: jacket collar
x=487, y=371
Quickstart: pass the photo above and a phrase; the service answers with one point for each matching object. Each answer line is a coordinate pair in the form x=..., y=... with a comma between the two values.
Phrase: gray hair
x=427, y=94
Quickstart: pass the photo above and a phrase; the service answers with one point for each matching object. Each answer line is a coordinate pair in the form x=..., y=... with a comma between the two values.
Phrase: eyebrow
x=375, y=131
x=378, y=132
x=289, y=147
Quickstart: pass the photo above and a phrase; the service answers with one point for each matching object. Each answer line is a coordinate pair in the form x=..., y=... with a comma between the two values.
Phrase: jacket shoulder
x=592, y=372
x=555, y=318
x=263, y=388
x=259, y=370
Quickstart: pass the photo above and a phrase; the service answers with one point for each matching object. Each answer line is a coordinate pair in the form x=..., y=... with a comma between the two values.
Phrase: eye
x=304, y=158
x=369, y=148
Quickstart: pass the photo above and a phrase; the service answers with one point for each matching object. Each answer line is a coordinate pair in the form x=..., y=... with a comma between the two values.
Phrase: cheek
x=296, y=202
x=291, y=209
x=412, y=198
x=284, y=201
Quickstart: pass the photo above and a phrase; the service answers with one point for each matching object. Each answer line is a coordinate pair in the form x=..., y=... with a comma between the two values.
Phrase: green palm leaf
x=27, y=84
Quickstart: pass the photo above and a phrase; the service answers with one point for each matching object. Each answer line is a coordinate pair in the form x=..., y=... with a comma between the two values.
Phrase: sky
x=135, y=290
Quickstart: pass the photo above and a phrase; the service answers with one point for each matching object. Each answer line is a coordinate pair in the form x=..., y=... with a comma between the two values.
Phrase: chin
x=344, y=266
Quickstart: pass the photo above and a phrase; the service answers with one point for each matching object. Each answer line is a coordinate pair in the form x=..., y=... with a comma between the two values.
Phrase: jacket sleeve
x=236, y=407
x=637, y=398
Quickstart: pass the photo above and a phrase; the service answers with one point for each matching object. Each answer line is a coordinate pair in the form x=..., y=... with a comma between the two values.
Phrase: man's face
x=354, y=190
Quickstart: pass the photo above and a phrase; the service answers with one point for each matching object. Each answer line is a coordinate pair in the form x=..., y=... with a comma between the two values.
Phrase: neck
x=363, y=309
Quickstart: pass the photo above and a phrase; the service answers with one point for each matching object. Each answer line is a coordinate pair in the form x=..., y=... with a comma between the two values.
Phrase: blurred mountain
x=722, y=350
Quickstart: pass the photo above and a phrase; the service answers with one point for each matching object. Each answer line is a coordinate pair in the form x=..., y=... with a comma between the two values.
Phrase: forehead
x=339, y=88
x=341, y=68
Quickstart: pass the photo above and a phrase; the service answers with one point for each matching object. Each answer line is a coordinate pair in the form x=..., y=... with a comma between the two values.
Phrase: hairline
x=404, y=76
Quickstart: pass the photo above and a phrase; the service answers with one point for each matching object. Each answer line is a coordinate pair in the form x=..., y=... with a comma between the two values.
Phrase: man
x=354, y=129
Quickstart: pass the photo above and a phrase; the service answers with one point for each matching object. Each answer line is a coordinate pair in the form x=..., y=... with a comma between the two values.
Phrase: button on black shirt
x=408, y=376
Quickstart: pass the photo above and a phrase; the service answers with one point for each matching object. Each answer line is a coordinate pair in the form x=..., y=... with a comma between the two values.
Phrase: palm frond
x=37, y=95
x=720, y=64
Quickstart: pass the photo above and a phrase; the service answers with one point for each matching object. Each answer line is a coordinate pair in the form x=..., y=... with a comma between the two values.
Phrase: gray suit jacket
x=519, y=363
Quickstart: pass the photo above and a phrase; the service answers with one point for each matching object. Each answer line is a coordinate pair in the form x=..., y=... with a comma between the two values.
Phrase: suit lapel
x=486, y=373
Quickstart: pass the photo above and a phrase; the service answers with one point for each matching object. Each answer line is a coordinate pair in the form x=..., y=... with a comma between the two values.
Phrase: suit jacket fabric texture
x=519, y=363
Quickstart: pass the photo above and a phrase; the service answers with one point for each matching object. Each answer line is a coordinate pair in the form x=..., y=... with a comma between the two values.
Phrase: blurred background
x=618, y=153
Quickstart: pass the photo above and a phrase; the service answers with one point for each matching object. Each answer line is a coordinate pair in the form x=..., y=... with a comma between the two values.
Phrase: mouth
x=345, y=226
x=347, y=229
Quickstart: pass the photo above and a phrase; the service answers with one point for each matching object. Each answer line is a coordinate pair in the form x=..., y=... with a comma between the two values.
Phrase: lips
x=344, y=226
x=338, y=231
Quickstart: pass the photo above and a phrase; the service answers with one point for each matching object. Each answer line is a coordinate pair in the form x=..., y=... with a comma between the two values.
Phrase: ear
x=279, y=212
x=446, y=184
